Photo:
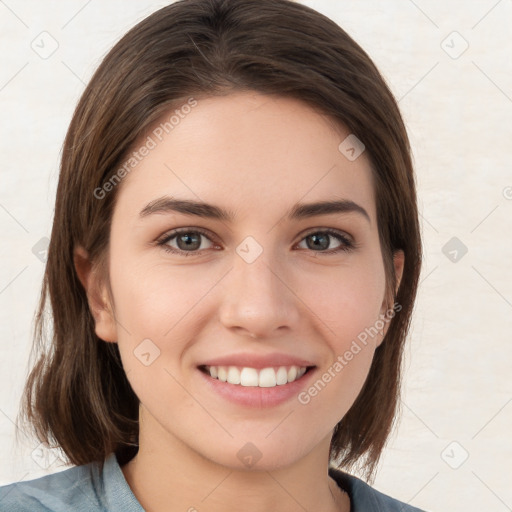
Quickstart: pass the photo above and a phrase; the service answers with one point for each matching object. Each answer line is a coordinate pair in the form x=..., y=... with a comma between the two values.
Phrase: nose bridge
x=257, y=298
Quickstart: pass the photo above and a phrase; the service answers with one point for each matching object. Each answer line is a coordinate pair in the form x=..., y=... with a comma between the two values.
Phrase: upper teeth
x=264, y=378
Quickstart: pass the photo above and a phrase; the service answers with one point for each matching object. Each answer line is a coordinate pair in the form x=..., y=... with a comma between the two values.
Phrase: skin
x=256, y=156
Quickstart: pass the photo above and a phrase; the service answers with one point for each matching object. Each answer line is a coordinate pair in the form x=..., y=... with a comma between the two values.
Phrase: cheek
x=158, y=312
x=347, y=301
x=152, y=299
x=159, y=300
x=347, y=309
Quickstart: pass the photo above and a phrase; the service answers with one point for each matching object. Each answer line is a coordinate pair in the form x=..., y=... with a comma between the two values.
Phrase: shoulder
x=93, y=487
x=71, y=488
x=365, y=498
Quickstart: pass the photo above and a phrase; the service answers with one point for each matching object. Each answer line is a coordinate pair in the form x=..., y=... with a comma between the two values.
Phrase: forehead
x=246, y=151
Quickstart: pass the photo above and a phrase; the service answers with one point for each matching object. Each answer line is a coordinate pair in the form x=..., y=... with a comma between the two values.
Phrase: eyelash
x=347, y=247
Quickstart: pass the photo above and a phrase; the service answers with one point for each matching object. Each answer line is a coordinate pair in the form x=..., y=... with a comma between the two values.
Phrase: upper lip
x=258, y=361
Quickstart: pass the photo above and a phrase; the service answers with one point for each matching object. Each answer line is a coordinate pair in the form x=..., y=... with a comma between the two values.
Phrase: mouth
x=268, y=377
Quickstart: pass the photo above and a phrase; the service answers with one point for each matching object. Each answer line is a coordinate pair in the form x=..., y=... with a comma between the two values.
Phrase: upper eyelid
x=338, y=231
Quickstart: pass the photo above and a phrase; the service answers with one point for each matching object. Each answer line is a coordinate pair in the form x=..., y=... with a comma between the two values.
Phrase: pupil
x=187, y=239
x=317, y=244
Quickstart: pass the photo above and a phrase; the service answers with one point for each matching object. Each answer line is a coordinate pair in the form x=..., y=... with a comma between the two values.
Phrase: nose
x=259, y=300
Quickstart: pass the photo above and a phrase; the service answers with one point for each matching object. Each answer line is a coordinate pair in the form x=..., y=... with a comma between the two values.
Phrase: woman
x=232, y=270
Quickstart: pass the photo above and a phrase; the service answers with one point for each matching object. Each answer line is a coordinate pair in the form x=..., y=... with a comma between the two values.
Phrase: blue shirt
x=87, y=489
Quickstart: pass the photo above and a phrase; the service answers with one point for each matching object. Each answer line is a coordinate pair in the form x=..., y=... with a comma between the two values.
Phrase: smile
x=252, y=377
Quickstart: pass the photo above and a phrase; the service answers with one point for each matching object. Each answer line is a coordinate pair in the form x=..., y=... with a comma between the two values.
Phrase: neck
x=168, y=475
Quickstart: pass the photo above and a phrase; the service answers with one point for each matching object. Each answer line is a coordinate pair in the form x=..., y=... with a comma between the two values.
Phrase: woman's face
x=264, y=286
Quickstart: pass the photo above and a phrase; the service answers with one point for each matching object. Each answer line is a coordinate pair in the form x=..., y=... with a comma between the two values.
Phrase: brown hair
x=77, y=395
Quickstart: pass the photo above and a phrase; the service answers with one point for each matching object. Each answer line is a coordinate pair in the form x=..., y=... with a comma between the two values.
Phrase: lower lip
x=254, y=396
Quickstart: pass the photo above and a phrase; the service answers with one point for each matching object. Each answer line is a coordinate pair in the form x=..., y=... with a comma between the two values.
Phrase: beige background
x=457, y=103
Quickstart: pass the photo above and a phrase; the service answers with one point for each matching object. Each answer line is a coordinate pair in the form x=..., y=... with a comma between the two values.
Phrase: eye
x=317, y=241
x=188, y=241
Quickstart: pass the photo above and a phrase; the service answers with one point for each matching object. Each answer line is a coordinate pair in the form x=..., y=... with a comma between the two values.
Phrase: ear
x=387, y=304
x=398, y=261
x=97, y=296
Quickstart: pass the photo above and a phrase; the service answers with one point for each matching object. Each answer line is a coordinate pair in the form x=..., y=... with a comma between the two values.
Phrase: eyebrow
x=167, y=204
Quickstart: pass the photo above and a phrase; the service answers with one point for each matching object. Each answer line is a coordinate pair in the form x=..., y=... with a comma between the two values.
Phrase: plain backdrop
x=448, y=63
